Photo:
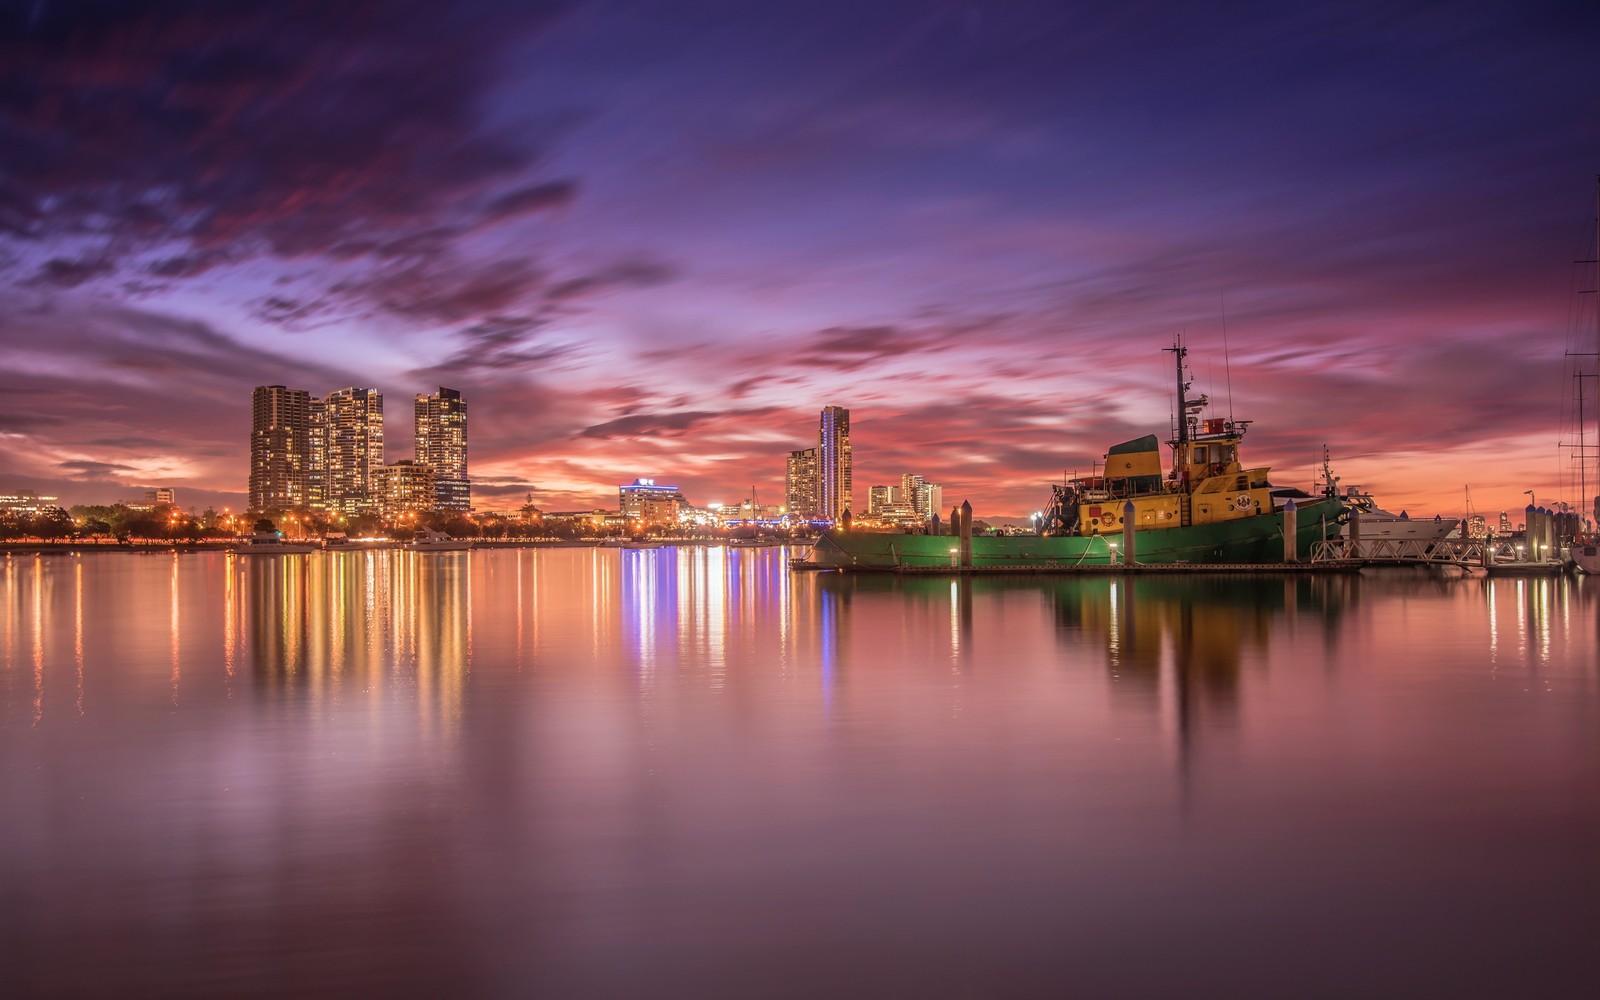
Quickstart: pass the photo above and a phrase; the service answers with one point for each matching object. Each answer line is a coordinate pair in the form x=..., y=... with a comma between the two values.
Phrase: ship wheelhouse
x=1207, y=482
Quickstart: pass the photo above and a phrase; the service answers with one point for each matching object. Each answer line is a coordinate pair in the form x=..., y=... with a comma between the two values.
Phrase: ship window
x=1201, y=453
x=1224, y=453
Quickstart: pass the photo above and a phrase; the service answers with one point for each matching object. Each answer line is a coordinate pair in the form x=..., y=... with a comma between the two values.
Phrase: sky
x=656, y=238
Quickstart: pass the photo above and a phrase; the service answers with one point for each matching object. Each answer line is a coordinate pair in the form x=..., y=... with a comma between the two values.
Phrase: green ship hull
x=1256, y=539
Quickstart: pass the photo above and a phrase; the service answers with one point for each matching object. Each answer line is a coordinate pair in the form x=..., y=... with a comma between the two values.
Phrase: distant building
x=1477, y=526
x=800, y=487
x=880, y=496
x=280, y=447
x=834, y=464
x=909, y=485
x=645, y=502
x=30, y=504
x=160, y=495
x=354, y=448
x=913, y=501
x=406, y=487
x=588, y=520
x=441, y=429
x=743, y=511
x=899, y=512
x=925, y=498
x=1505, y=523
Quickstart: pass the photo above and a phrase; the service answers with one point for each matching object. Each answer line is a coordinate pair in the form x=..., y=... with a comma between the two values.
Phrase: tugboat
x=1209, y=508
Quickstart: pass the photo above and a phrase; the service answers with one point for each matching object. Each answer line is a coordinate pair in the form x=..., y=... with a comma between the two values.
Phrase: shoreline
x=226, y=545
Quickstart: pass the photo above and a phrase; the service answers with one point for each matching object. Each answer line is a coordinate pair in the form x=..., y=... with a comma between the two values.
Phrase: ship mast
x=1595, y=501
x=1179, y=352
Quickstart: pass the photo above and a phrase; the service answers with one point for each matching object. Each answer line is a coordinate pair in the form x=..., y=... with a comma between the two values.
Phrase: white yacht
x=429, y=540
x=272, y=543
x=1375, y=521
x=1379, y=523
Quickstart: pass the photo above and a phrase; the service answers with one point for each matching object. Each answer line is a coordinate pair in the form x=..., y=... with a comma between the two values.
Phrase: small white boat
x=436, y=541
x=272, y=543
x=1585, y=552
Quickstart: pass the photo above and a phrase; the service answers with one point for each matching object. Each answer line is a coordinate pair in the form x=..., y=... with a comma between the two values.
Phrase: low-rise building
x=405, y=487
x=30, y=504
x=647, y=503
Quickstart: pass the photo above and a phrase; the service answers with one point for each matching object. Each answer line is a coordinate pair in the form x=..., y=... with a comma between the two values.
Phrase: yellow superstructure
x=1207, y=484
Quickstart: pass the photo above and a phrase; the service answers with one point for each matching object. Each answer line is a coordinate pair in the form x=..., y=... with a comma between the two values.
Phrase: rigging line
x=1227, y=364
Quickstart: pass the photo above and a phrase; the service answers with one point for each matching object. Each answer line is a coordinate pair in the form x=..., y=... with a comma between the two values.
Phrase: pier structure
x=1500, y=556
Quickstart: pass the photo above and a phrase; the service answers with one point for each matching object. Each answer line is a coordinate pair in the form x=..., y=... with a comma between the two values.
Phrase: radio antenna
x=1227, y=365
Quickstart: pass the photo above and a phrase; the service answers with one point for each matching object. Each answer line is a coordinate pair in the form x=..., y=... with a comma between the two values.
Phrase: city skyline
x=329, y=453
x=977, y=225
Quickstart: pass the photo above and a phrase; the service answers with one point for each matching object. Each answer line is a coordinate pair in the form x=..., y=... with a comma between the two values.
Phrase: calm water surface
x=687, y=772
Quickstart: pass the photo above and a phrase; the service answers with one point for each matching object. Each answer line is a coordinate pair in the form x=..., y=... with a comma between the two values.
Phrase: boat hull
x=1405, y=529
x=1586, y=556
x=1256, y=539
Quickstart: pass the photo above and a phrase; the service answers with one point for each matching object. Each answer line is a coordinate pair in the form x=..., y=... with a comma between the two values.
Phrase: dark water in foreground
x=575, y=772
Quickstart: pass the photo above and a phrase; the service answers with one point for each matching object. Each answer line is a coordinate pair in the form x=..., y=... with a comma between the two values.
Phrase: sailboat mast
x=1583, y=455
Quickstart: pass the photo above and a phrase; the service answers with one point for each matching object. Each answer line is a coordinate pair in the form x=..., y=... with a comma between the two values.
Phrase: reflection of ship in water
x=356, y=617
x=1174, y=648
x=1199, y=630
x=1189, y=640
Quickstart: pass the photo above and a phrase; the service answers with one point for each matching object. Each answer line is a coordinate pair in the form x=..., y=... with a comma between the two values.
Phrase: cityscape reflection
x=513, y=766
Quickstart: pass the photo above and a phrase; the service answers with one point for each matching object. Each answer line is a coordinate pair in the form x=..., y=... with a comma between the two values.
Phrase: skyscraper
x=833, y=462
x=317, y=466
x=800, y=483
x=354, y=420
x=441, y=427
x=280, y=447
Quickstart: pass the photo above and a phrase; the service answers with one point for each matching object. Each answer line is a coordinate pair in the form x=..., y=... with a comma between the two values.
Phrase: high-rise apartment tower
x=800, y=483
x=833, y=462
x=441, y=426
x=281, y=452
x=354, y=420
